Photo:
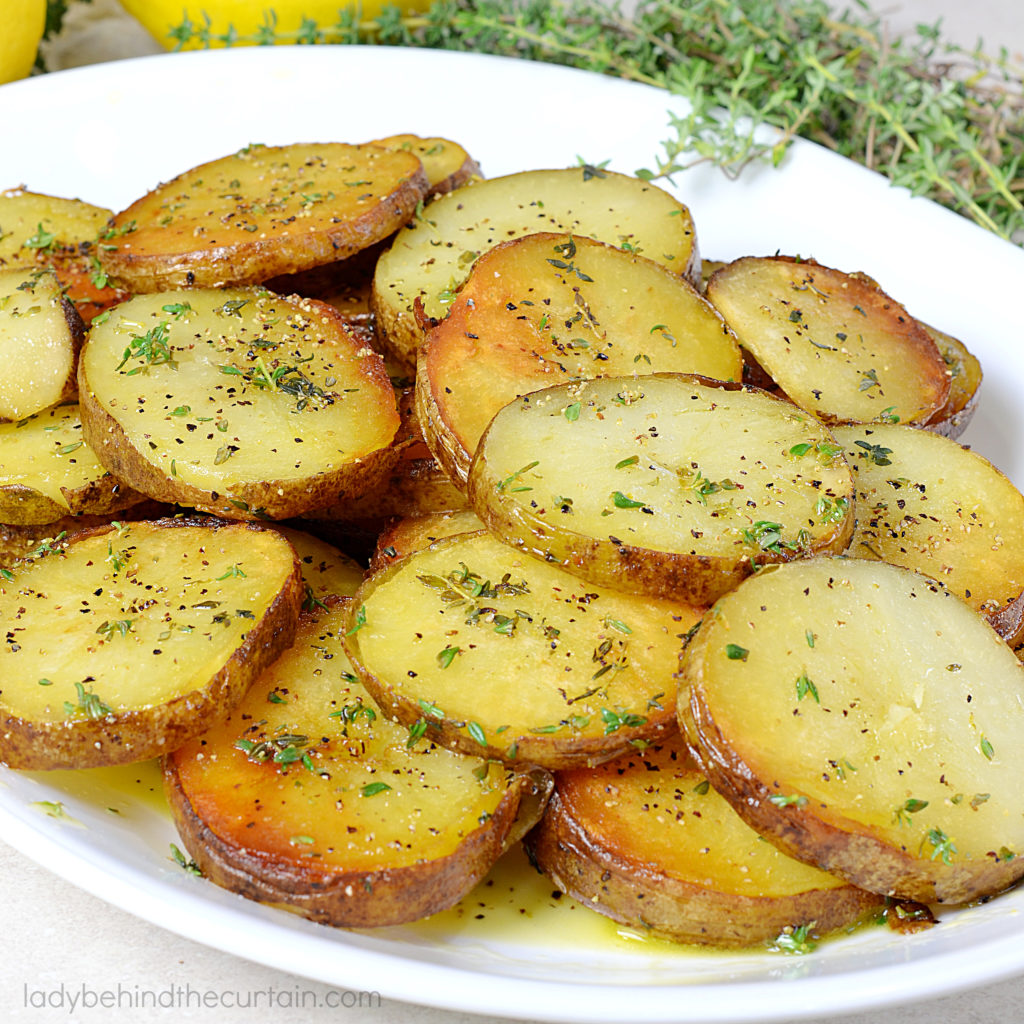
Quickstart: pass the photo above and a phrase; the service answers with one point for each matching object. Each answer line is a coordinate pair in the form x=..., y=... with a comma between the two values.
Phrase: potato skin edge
x=249, y=500
x=346, y=899
x=856, y=855
x=640, y=896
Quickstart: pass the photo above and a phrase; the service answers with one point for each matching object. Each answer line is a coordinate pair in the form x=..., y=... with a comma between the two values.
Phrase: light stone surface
x=57, y=934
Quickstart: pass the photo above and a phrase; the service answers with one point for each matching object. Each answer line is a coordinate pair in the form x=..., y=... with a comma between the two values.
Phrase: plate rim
x=92, y=877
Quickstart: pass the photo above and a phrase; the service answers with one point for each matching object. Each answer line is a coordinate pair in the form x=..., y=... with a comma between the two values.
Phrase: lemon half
x=23, y=24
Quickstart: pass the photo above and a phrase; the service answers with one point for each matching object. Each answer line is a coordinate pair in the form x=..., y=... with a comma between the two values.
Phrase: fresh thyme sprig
x=945, y=122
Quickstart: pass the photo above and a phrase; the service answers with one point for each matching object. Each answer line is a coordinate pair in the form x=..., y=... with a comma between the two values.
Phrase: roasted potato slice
x=547, y=308
x=835, y=343
x=34, y=226
x=238, y=402
x=866, y=721
x=665, y=485
x=430, y=258
x=47, y=471
x=645, y=841
x=124, y=642
x=306, y=796
x=447, y=165
x=927, y=503
x=64, y=234
x=40, y=335
x=263, y=211
x=486, y=651
x=414, y=533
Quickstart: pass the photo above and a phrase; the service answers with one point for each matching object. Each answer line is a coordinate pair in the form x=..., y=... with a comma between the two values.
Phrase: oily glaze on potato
x=124, y=642
x=866, y=721
x=431, y=257
x=836, y=344
x=261, y=212
x=547, y=308
x=665, y=485
x=40, y=334
x=647, y=842
x=47, y=471
x=926, y=503
x=238, y=402
x=496, y=654
x=307, y=796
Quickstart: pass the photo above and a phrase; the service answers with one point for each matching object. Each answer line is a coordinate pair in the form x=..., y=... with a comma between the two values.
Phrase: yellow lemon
x=245, y=22
x=22, y=24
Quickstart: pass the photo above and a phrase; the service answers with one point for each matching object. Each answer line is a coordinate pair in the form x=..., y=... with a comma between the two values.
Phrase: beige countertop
x=60, y=936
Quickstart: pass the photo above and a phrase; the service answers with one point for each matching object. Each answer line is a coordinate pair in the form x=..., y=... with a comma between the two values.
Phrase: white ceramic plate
x=108, y=133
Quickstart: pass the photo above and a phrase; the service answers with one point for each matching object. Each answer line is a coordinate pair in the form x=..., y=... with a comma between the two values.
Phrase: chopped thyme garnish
x=502, y=485
x=943, y=847
x=875, y=453
x=360, y=621
x=805, y=687
x=620, y=500
x=188, y=865
x=88, y=704
x=619, y=719
x=787, y=801
x=901, y=816
x=447, y=656
x=796, y=940
x=152, y=348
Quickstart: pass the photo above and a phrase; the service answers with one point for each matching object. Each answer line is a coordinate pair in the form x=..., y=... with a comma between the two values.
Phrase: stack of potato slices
x=667, y=568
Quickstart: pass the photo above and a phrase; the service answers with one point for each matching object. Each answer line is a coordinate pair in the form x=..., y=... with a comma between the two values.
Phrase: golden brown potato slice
x=927, y=503
x=447, y=165
x=33, y=226
x=645, y=841
x=414, y=533
x=124, y=642
x=238, y=402
x=263, y=211
x=665, y=485
x=40, y=334
x=835, y=343
x=307, y=796
x=497, y=654
x=866, y=721
x=47, y=471
x=65, y=234
x=548, y=308
x=431, y=257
